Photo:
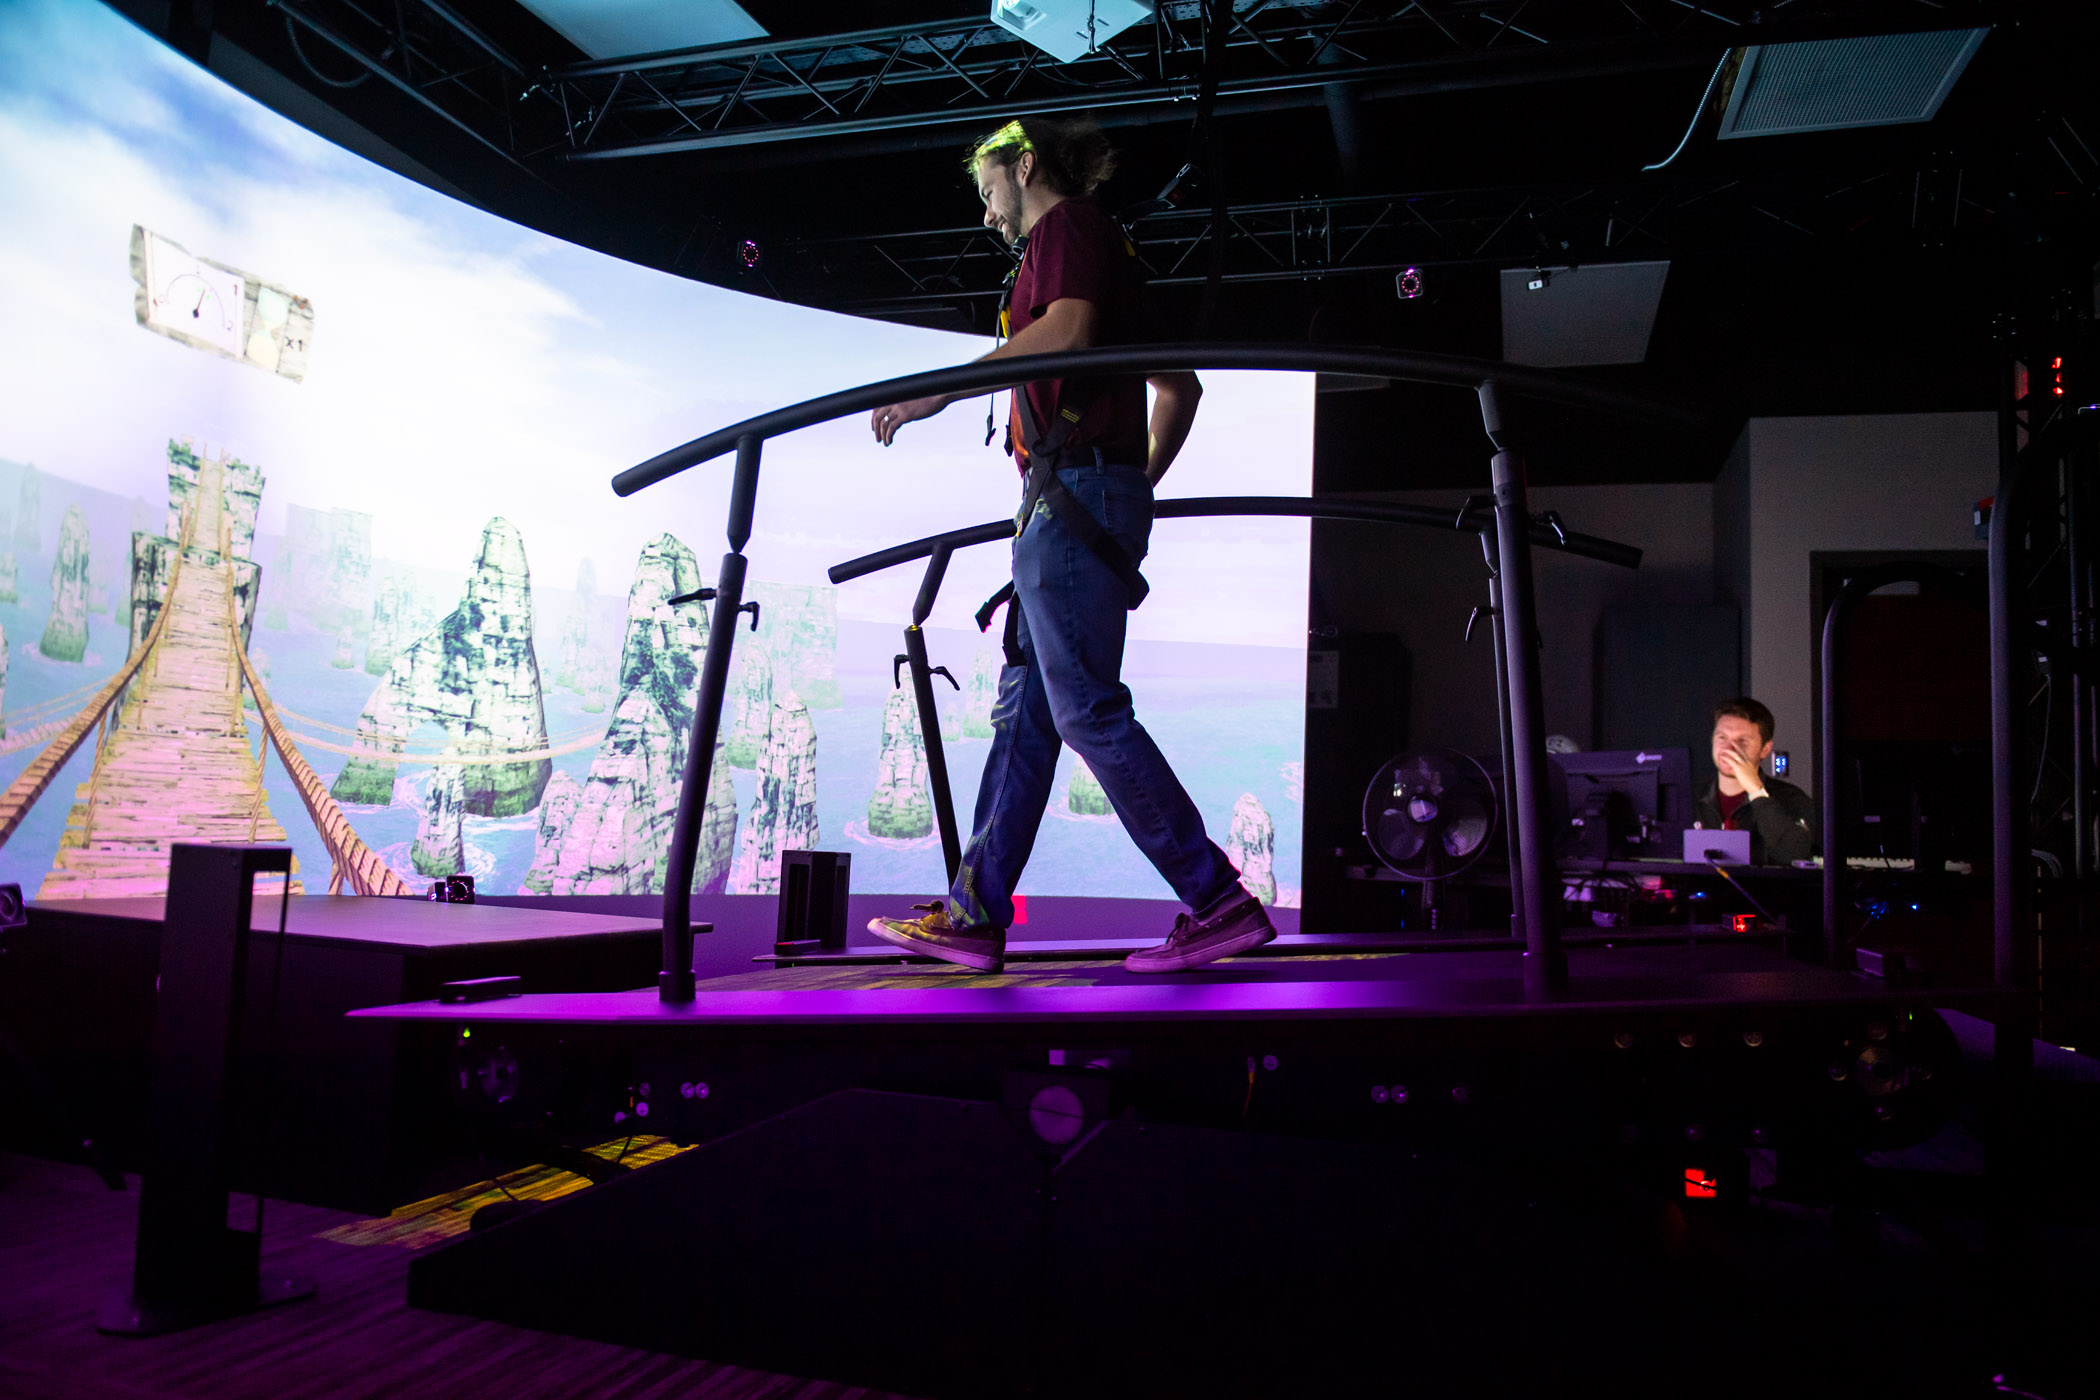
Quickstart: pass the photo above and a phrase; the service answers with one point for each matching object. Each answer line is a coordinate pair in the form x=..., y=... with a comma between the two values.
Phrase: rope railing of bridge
x=355, y=864
x=32, y=782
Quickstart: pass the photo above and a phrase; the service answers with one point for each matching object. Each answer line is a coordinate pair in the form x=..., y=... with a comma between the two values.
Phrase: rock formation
x=346, y=654
x=153, y=567
x=784, y=809
x=1083, y=794
x=798, y=625
x=386, y=628
x=29, y=510
x=240, y=487
x=99, y=570
x=979, y=692
x=477, y=676
x=611, y=833
x=902, y=807
x=747, y=708
x=440, y=847
x=1251, y=846
x=576, y=630
x=66, y=635
x=3, y=681
x=9, y=592
x=326, y=570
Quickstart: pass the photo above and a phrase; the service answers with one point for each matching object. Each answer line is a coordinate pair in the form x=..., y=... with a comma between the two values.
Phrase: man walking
x=1089, y=460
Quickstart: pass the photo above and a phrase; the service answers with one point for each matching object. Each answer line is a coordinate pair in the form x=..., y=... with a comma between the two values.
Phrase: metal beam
x=1462, y=73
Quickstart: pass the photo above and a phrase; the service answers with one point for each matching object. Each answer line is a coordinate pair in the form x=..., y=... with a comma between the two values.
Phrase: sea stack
x=1250, y=845
x=748, y=708
x=3, y=681
x=66, y=635
x=978, y=694
x=902, y=807
x=440, y=847
x=569, y=667
x=386, y=628
x=611, y=834
x=477, y=676
x=784, y=810
x=29, y=510
x=1083, y=794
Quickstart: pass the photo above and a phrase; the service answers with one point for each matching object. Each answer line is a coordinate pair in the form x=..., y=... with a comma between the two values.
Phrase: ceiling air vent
x=1830, y=84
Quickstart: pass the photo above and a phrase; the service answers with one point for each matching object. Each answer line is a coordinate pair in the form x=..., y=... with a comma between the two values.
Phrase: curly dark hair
x=1073, y=156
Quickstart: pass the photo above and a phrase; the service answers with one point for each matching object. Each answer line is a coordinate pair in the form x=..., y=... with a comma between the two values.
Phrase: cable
x=1697, y=112
x=2041, y=768
x=269, y=1086
x=1714, y=858
x=291, y=31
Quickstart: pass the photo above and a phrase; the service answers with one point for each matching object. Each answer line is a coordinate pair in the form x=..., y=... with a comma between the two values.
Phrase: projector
x=1068, y=30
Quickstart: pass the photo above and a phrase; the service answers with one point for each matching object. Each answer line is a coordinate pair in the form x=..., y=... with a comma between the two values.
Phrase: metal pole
x=936, y=757
x=2012, y=913
x=1518, y=926
x=1545, y=963
x=929, y=715
x=675, y=983
x=2078, y=555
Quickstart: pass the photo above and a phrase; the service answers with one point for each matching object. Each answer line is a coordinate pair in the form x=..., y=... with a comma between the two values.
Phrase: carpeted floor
x=66, y=1247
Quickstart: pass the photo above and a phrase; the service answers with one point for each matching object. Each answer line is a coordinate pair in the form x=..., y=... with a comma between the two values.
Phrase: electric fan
x=1429, y=813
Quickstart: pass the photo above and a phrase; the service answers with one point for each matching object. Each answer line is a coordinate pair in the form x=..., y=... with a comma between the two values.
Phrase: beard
x=1006, y=207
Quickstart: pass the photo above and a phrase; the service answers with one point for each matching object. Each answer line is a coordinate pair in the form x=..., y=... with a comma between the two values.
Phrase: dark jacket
x=1782, y=823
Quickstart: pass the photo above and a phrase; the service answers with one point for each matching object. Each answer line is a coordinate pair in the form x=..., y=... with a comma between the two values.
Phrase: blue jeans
x=1073, y=616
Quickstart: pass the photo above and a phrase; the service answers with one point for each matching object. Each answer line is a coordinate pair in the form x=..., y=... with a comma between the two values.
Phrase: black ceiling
x=1854, y=271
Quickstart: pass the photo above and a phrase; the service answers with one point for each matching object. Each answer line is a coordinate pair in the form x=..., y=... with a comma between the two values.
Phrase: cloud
x=463, y=366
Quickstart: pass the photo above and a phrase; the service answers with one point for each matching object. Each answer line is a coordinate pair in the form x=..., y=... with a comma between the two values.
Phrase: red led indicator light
x=1698, y=1186
x=1742, y=923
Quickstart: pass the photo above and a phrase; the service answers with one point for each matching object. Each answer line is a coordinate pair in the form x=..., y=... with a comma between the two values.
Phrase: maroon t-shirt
x=1729, y=803
x=1076, y=251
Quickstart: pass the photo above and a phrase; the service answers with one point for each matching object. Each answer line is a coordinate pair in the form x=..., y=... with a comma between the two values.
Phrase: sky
x=463, y=366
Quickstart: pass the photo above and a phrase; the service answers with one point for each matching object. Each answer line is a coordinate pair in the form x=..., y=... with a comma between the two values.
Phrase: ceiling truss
x=1270, y=53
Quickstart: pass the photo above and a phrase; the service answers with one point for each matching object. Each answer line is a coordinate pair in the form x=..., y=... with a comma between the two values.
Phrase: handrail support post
x=676, y=982
x=1545, y=961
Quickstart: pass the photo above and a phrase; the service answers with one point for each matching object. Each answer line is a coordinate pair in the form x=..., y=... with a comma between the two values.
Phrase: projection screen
x=305, y=536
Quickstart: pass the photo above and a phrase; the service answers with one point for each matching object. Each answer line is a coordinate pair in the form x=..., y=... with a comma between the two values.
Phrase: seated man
x=1780, y=817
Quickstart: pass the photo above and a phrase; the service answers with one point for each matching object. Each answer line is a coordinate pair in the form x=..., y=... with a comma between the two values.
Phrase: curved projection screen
x=304, y=467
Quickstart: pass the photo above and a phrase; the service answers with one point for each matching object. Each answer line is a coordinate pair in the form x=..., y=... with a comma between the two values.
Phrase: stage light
x=1409, y=284
x=750, y=254
x=2056, y=375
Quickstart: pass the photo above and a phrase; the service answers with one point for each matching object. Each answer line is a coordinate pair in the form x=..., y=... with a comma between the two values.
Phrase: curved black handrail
x=1436, y=517
x=1545, y=968
x=987, y=375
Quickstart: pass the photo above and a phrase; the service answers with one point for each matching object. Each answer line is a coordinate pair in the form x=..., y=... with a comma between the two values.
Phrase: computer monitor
x=1631, y=804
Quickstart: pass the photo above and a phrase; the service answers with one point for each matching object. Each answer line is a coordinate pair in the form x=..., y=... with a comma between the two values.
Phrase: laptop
x=1733, y=847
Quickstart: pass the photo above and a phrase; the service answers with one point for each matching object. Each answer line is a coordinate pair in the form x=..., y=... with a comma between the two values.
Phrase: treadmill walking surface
x=1308, y=986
